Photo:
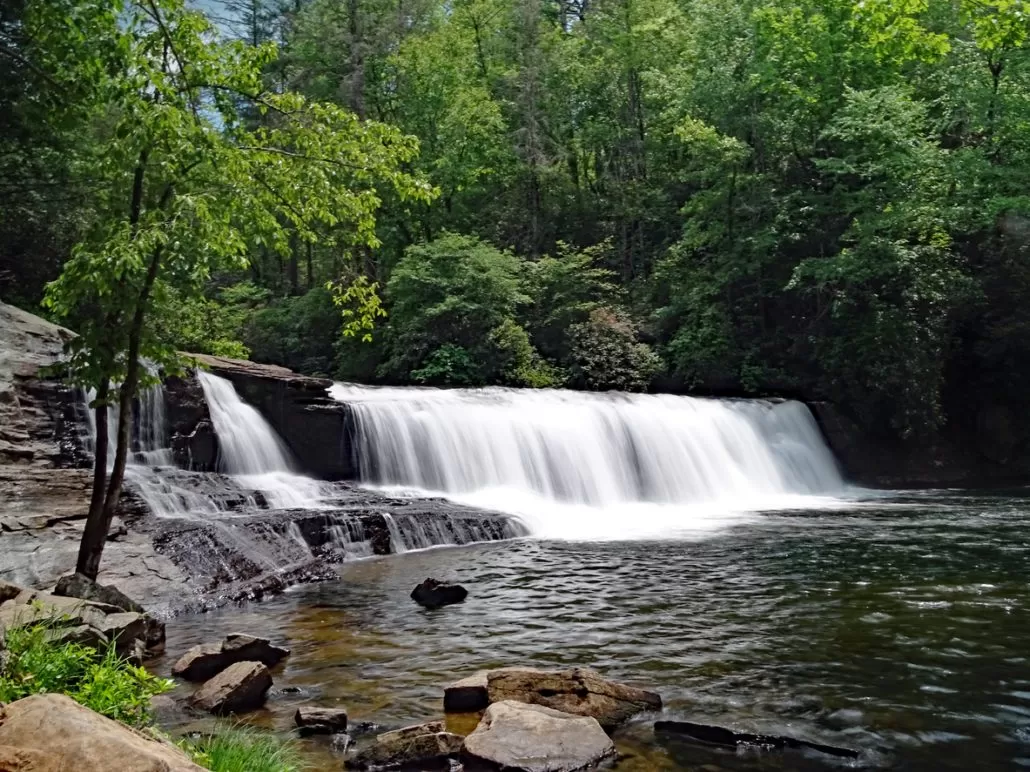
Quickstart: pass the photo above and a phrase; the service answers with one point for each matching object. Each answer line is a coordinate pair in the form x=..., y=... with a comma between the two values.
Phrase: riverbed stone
x=206, y=660
x=578, y=691
x=53, y=733
x=423, y=746
x=315, y=720
x=433, y=594
x=516, y=737
x=84, y=588
x=731, y=738
x=237, y=689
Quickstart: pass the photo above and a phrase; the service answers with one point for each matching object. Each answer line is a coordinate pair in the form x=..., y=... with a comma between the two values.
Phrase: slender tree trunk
x=293, y=267
x=93, y=534
x=311, y=271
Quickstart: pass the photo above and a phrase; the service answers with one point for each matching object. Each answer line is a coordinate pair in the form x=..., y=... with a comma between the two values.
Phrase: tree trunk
x=311, y=270
x=94, y=535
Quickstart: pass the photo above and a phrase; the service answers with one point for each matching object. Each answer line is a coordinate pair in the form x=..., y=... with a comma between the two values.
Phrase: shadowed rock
x=313, y=720
x=424, y=746
x=238, y=688
x=432, y=593
x=516, y=737
x=728, y=738
x=208, y=659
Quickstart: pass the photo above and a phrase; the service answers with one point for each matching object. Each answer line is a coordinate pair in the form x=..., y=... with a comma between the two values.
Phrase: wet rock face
x=516, y=737
x=577, y=691
x=728, y=738
x=424, y=747
x=311, y=423
x=432, y=594
x=237, y=689
x=54, y=733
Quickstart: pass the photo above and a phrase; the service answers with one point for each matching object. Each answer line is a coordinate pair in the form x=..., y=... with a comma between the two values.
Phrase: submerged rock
x=52, y=733
x=314, y=720
x=237, y=689
x=432, y=593
x=516, y=737
x=208, y=659
x=424, y=747
x=729, y=738
x=577, y=691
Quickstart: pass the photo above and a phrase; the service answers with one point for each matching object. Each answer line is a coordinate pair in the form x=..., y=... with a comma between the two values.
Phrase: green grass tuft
x=244, y=749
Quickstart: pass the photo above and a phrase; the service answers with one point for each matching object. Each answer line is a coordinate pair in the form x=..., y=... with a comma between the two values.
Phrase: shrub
x=604, y=353
x=243, y=749
x=102, y=681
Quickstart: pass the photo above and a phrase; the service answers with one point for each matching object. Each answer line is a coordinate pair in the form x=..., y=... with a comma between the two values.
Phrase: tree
x=182, y=183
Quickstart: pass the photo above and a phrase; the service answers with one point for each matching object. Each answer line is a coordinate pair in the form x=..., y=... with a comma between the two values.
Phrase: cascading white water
x=251, y=451
x=605, y=465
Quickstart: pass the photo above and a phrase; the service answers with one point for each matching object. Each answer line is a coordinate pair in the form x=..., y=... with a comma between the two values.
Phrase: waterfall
x=251, y=451
x=575, y=463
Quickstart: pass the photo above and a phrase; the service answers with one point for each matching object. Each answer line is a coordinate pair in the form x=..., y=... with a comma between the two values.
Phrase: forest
x=815, y=198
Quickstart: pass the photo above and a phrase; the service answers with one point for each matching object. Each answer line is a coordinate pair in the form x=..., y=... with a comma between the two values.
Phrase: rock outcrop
x=577, y=691
x=310, y=422
x=432, y=593
x=424, y=746
x=53, y=733
x=207, y=660
x=237, y=689
x=516, y=737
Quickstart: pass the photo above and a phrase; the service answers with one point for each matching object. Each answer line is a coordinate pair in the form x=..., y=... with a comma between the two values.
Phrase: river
x=897, y=625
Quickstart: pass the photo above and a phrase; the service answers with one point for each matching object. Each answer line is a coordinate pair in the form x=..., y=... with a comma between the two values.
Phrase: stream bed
x=899, y=627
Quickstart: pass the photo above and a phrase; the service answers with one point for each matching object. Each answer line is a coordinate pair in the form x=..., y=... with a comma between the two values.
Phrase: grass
x=244, y=749
x=101, y=680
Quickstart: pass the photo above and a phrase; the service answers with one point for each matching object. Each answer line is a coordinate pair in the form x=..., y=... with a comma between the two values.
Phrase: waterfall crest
x=565, y=458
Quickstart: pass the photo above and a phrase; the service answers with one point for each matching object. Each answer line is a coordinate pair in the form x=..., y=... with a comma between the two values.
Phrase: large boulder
x=432, y=593
x=424, y=746
x=237, y=689
x=516, y=737
x=206, y=660
x=577, y=691
x=84, y=588
x=314, y=720
x=52, y=733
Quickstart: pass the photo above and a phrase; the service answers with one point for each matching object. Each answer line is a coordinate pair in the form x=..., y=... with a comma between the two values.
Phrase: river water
x=897, y=626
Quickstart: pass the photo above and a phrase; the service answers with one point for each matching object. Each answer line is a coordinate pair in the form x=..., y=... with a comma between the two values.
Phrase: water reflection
x=900, y=630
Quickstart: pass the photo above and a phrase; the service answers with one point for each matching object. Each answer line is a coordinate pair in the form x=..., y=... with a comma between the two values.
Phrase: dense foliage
x=37, y=662
x=814, y=197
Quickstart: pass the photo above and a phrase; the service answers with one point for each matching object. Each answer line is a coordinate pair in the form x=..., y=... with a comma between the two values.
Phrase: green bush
x=102, y=681
x=604, y=353
x=243, y=749
x=300, y=333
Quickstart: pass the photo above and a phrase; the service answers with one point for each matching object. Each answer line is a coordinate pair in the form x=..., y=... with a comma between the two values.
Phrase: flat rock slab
x=729, y=738
x=423, y=747
x=206, y=660
x=53, y=733
x=577, y=691
x=237, y=689
x=432, y=594
x=516, y=737
x=314, y=720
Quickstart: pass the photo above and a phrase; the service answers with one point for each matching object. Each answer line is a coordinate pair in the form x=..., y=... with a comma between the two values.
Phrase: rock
x=433, y=593
x=22, y=760
x=469, y=695
x=516, y=737
x=238, y=688
x=52, y=727
x=124, y=628
x=577, y=691
x=84, y=588
x=718, y=735
x=208, y=659
x=9, y=591
x=312, y=720
x=81, y=634
x=424, y=746
x=117, y=530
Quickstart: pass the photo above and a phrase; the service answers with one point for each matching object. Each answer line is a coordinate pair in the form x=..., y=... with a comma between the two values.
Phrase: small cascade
x=252, y=452
x=580, y=464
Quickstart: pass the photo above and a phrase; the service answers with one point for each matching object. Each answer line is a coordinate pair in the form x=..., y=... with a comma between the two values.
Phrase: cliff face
x=298, y=407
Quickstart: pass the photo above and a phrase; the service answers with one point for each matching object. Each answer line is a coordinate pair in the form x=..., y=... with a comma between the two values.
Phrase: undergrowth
x=244, y=749
x=101, y=680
